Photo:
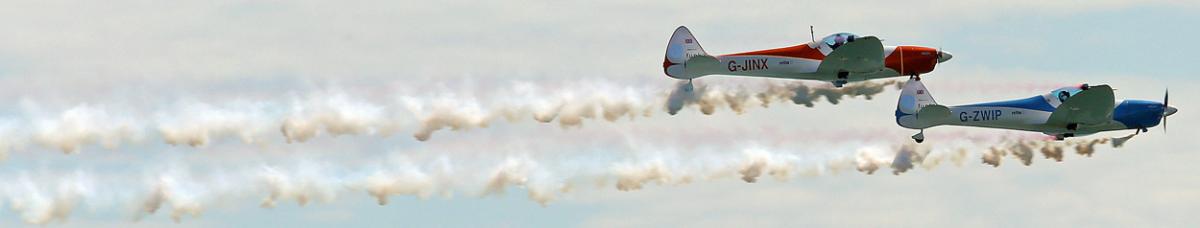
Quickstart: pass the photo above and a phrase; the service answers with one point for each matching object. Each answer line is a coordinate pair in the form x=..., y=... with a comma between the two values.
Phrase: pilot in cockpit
x=837, y=40
x=1066, y=92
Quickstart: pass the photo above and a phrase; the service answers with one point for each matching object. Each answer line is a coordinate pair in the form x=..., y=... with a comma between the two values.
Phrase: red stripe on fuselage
x=798, y=51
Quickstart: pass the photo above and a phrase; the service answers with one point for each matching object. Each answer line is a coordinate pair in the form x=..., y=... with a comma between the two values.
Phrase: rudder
x=681, y=50
x=917, y=109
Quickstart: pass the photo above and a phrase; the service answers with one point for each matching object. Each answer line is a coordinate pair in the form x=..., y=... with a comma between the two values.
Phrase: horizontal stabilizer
x=933, y=111
x=931, y=115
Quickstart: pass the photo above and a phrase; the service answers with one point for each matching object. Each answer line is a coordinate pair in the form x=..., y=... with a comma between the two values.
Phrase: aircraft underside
x=845, y=77
x=1080, y=129
x=1010, y=118
x=792, y=68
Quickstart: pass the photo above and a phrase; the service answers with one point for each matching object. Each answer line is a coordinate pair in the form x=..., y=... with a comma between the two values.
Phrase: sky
x=527, y=113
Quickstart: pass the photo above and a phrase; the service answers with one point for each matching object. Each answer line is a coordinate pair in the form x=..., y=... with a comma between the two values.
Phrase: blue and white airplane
x=1062, y=113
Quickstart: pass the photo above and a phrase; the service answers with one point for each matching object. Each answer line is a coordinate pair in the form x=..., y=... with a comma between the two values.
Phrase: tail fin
x=685, y=58
x=917, y=109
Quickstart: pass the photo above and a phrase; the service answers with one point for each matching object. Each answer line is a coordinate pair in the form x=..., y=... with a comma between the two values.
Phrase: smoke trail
x=1053, y=152
x=203, y=122
x=708, y=99
x=1087, y=148
x=9, y=139
x=1120, y=142
x=906, y=158
x=81, y=125
x=1024, y=150
x=179, y=193
x=40, y=202
x=334, y=113
x=168, y=191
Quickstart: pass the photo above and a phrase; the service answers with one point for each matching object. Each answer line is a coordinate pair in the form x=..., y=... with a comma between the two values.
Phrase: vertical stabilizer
x=917, y=109
x=914, y=97
x=685, y=58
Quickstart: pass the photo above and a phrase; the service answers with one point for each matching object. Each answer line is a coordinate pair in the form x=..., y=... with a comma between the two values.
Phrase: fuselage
x=839, y=58
x=803, y=62
x=1032, y=114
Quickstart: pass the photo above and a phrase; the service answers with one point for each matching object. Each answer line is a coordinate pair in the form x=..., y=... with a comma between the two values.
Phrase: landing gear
x=842, y=78
x=1064, y=136
x=688, y=87
x=1138, y=131
x=919, y=137
x=1070, y=127
x=915, y=77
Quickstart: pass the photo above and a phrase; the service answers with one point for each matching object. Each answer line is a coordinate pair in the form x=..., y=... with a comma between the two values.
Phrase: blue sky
x=123, y=73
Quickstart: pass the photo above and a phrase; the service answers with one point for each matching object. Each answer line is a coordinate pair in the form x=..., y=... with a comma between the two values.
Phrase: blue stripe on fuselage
x=1032, y=103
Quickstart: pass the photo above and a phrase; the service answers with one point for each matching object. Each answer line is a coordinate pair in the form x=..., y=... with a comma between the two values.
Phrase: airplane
x=1063, y=113
x=839, y=58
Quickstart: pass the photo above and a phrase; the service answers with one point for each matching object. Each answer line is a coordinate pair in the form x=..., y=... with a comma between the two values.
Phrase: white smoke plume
x=1024, y=150
x=81, y=125
x=40, y=201
x=203, y=122
x=183, y=193
x=333, y=113
x=707, y=98
x=572, y=107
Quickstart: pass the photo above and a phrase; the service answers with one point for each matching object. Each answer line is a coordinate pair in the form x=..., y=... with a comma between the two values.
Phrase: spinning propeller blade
x=1166, y=109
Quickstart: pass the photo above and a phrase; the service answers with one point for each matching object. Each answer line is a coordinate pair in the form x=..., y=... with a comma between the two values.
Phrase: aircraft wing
x=864, y=54
x=1091, y=106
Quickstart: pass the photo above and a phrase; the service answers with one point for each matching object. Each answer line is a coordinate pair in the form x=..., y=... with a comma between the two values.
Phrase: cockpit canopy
x=1060, y=95
x=838, y=39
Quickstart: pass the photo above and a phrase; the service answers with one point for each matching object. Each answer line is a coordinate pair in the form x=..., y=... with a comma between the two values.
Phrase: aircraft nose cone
x=944, y=56
x=1170, y=110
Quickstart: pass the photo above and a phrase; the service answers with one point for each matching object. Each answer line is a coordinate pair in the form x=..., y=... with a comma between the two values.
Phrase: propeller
x=1166, y=109
x=937, y=58
x=942, y=56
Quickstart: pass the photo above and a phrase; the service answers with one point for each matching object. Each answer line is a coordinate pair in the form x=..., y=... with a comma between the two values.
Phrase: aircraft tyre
x=839, y=83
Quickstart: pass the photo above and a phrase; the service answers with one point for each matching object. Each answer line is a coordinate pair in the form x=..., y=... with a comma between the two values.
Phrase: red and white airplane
x=839, y=58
